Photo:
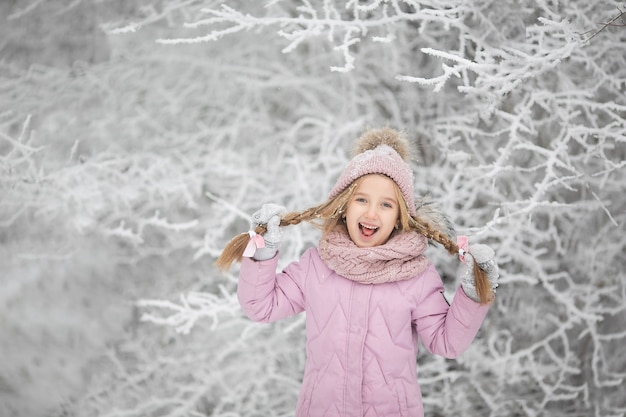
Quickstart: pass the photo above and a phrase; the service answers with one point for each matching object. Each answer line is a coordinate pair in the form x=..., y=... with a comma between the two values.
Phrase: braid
x=326, y=216
x=483, y=288
x=426, y=229
x=233, y=251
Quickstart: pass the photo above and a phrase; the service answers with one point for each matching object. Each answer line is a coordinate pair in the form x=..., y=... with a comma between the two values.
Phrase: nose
x=372, y=211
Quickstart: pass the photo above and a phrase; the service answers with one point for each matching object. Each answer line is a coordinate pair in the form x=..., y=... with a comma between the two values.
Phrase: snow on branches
x=130, y=176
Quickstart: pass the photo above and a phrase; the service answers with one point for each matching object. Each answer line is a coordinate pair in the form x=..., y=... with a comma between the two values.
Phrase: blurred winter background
x=137, y=136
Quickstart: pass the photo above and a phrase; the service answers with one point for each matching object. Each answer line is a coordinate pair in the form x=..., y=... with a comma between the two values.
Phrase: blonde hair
x=328, y=215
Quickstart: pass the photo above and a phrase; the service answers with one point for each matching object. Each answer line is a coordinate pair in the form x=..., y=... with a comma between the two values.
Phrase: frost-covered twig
x=308, y=21
x=193, y=307
x=610, y=23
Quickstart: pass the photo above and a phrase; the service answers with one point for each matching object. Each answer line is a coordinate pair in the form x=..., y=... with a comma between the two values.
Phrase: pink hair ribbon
x=256, y=242
x=463, y=244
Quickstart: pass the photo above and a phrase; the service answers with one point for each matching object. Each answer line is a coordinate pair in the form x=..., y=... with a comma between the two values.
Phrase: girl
x=368, y=289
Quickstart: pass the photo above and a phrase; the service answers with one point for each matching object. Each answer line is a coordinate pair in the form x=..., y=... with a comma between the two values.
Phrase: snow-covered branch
x=193, y=307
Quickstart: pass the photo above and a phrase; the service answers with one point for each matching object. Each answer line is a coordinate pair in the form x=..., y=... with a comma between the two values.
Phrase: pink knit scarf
x=401, y=257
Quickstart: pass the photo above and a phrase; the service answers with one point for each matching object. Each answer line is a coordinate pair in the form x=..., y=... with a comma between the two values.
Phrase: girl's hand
x=268, y=215
x=484, y=257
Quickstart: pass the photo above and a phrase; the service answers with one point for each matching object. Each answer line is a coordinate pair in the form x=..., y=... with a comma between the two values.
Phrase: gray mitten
x=484, y=257
x=269, y=215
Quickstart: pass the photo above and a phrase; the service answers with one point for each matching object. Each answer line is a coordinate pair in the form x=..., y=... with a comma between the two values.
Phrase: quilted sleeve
x=267, y=296
x=446, y=329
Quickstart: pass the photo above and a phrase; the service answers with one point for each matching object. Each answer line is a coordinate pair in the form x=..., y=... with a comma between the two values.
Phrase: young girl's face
x=373, y=211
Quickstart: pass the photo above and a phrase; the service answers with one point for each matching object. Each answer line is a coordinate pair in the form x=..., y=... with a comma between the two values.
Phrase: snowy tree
x=126, y=171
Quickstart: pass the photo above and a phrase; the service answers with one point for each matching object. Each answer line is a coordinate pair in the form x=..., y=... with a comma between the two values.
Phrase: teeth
x=369, y=227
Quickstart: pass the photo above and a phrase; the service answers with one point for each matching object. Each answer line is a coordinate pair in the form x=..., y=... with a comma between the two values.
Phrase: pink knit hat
x=380, y=151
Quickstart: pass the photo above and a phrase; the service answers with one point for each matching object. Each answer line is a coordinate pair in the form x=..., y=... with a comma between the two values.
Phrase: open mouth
x=367, y=230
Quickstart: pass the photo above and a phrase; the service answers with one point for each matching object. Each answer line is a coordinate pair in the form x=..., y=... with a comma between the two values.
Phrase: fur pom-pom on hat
x=380, y=151
x=373, y=138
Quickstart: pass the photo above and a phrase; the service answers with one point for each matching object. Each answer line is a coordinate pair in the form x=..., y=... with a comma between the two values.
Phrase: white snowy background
x=136, y=137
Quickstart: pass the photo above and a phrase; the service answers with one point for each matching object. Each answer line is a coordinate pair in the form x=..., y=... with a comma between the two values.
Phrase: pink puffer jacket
x=361, y=338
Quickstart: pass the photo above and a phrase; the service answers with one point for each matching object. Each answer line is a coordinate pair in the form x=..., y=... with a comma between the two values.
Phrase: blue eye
x=360, y=200
x=387, y=205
